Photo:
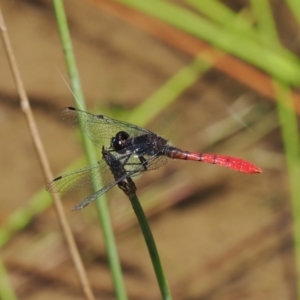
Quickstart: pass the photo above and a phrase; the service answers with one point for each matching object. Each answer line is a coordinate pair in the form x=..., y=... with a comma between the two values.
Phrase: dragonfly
x=127, y=151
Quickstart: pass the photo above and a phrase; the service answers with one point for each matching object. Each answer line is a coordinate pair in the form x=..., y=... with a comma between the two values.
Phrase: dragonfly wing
x=93, y=197
x=99, y=128
x=156, y=162
x=81, y=179
x=84, y=178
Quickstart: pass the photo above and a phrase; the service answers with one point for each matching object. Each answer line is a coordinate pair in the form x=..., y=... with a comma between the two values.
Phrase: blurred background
x=220, y=234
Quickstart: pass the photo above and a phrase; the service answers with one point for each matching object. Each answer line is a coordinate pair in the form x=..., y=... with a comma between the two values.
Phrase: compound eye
x=122, y=136
x=119, y=141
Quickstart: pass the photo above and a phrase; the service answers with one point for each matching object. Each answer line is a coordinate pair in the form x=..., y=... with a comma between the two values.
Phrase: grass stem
x=163, y=285
x=102, y=207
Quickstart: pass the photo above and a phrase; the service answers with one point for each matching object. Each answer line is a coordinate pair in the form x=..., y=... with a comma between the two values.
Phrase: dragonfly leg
x=144, y=161
x=127, y=156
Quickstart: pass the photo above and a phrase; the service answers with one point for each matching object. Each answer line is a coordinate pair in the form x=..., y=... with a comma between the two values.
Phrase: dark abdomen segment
x=233, y=163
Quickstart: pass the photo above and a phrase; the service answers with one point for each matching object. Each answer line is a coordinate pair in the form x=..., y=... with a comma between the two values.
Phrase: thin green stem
x=6, y=290
x=160, y=276
x=295, y=8
x=288, y=122
x=291, y=141
x=168, y=92
x=266, y=23
x=89, y=150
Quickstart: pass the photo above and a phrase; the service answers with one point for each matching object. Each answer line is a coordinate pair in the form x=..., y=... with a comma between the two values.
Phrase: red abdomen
x=233, y=163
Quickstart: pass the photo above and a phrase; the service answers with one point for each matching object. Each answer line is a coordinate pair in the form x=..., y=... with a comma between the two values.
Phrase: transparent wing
x=94, y=196
x=100, y=129
x=100, y=172
x=81, y=179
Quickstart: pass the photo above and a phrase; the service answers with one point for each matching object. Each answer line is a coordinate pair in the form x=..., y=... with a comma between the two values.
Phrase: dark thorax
x=146, y=144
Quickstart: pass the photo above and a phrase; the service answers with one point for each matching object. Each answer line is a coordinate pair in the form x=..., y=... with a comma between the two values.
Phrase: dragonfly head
x=119, y=141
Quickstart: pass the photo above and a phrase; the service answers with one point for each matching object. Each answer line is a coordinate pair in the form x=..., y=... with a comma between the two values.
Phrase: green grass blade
x=288, y=124
x=269, y=61
x=90, y=153
x=162, y=282
x=6, y=290
x=290, y=136
x=295, y=8
x=239, y=24
x=168, y=93
x=266, y=24
x=222, y=15
x=69, y=53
